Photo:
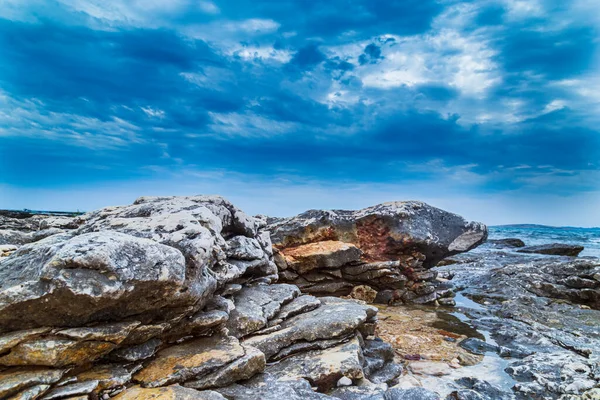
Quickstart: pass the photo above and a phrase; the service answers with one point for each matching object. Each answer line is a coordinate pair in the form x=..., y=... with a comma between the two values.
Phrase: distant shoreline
x=25, y=213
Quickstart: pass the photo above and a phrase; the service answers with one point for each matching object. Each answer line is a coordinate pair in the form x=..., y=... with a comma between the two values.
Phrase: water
x=533, y=235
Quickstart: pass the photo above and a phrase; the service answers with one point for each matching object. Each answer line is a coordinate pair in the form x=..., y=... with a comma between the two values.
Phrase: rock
x=12, y=382
x=10, y=340
x=82, y=279
x=267, y=387
x=167, y=393
x=335, y=318
x=323, y=368
x=189, y=360
x=113, y=333
x=253, y=362
x=478, y=346
x=430, y=368
x=299, y=305
x=344, y=381
x=56, y=352
x=73, y=389
x=386, y=247
x=554, y=249
x=136, y=352
x=31, y=393
x=107, y=376
x=358, y=393
x=508, y=242
x=364, y=293
x=255, y=305
x=410, y=394
x=326, y=254
x=385, y=231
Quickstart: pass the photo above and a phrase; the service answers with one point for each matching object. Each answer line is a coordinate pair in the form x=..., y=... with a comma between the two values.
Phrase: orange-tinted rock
x=189, y=360
x=56, y=352
x=326, y=254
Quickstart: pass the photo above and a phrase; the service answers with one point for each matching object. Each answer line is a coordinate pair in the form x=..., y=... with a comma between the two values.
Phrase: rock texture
x=390, y=247
x=176, y=298
x=554, y=249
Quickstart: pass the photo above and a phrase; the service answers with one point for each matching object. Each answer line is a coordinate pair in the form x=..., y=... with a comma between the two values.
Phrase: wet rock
x=17, y=380
x=430, y=368
x=189, y=360
x=253, y=362
x=167, y=393
x=483, y=388
x=322, y=368
x=508, y=242
x=478, y=346
x=555, y=249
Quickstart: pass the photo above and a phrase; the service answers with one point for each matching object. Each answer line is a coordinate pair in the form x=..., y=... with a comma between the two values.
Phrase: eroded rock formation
x=390, y=248
x=175, y=297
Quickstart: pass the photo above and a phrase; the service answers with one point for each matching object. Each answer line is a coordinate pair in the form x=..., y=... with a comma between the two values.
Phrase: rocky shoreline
x=190, y=298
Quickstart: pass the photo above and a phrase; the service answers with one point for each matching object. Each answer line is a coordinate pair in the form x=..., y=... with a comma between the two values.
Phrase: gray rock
x=555, y=249
x=478, y=346
x=410, y=394
x=73, y=389
x=12, y=382
x=335, y=318
x=431, y=231
x=267, y=387
x=256, y=305
x=253, y=362
x=89, y=277
x=323, y=368
x=508, y=242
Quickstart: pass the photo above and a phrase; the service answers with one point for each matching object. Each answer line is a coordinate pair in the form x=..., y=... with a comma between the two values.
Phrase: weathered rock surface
x=173, y=298
x=554, y=249
x=507, y=242
x=390, y=246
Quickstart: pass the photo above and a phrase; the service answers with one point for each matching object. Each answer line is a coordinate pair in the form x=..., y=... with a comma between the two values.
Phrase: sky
x=486, y=108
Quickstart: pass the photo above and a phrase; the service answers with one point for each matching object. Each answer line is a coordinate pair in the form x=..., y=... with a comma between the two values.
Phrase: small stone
x=344, y=381
x=364, y=293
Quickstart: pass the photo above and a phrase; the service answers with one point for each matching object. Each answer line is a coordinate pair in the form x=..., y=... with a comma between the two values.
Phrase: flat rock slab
x=174, y=392
x=17, y=380
x=256, y=305
x=252, y=363
x=326, y=254
x=322, y=368
x=190, y=360
x=268, y=387
x=56, y=352
x=335, y=318
x=508, y=242
x=108, y=376
x=554, y=249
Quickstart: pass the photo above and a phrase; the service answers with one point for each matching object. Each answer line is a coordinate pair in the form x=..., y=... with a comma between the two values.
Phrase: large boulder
x=388, y=247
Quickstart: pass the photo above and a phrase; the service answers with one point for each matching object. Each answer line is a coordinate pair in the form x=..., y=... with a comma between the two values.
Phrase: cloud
x=454, y=95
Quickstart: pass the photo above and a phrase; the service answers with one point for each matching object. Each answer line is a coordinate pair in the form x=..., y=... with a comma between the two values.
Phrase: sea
x=533, y=235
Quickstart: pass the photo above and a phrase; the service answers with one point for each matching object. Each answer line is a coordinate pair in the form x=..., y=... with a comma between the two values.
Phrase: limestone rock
x=253, y=362
x=335, y=318
x=189, y=360
x=267, y=387
x=173, y=392
x=72, y=389
x=14, y=381
x=508, y=242
x=322, y=368
x=255, y=305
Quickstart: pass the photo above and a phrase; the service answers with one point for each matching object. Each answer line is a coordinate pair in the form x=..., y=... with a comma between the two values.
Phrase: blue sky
x=487, y=108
